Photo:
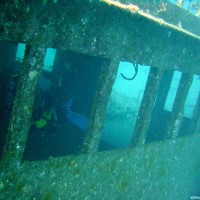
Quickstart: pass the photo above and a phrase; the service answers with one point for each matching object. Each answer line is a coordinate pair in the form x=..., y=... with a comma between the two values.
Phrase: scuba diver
x=49, y=113
x=45, y=115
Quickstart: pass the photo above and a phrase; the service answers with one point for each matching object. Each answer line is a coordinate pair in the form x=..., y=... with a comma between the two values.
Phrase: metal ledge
x=101, y=28
x=160, y=170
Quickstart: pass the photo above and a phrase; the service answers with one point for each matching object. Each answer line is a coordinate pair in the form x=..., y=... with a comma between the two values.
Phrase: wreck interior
x=127, y=73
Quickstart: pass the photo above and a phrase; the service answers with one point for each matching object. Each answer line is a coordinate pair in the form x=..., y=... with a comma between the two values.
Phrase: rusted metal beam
x=165, y=86
x=22, y=108
x=178, y=106
x=146, y=108
x=98, y=111
x=100, y=29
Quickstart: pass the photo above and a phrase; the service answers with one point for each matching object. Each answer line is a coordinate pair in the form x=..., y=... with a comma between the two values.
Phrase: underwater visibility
x=100, y=99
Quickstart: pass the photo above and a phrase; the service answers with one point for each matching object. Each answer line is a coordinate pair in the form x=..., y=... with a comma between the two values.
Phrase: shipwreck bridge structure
x=113, y=31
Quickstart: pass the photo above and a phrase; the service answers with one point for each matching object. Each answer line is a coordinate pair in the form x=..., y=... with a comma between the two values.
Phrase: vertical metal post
x=146, y=108
x=195, y=122
x=178, y=107
x=22, y=107
x=98, y=111
x=163, y=91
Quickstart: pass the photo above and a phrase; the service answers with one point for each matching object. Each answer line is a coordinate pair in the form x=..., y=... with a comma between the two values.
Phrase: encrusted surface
x=100, y=103
x=22, y=106
x=101, y=29
x=163, y=170
x=168, y=169
x=169, y=12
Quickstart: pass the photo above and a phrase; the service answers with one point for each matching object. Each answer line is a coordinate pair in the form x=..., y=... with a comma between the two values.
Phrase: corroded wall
x=162, y=170
x=101, y=29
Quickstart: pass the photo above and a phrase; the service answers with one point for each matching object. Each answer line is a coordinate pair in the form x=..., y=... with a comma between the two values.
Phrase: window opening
x=62, y=106
x=192, y=97
x=20, y=52
x=172, y=91
x=189, y=107
x=49, y=59
x=157, y=130
x=123, y=106
x=159, y=116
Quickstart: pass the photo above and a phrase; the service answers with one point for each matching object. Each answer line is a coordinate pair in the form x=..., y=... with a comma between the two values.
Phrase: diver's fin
x=68, y=105
x=75, y=118
x=78, y=120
